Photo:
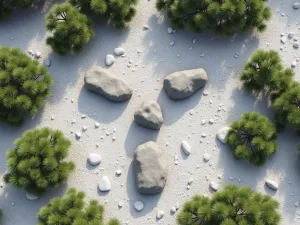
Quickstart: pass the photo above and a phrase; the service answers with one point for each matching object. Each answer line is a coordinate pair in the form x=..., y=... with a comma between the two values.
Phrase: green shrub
x=252, y=138
x=287, y=107
x=232, y=206
x=1, y=214
x=37, y=161
x=7, y=6
x=222, y=17
x=265, y=71
x=70, y=29
x=116, y=12
x=24, y=85
x=71, y=210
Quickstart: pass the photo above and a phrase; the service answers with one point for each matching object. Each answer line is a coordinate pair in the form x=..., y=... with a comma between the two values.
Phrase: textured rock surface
x=149, y=115
x=183, y=84
x=150, y=168
x=111, y=87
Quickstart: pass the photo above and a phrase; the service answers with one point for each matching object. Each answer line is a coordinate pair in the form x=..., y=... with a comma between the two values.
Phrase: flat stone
x=170, y=30
x=107, y=85
x=185, y=146
x=272, y=184
x=139, y=206
x=181, y=85
x=109, y=60
x=104, y=185
x=214, y=186
x=296, y=45
x=149, y=115
x=150, y=168
x=119, y=51
x=222, y=134
x=160, y=214
x=94, y=159
x=31, y=197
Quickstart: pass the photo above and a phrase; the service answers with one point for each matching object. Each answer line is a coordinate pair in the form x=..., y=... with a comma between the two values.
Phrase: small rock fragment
x=47, y=62
x=119, y=51
x=160, y=214
x=272, y=184
x=109, y=60
x=104, y=185
x=173, y=209
x=118, y=172
x=186, y=147
x=206, y=157
x=146, y=27
x=222, y=134
x=31, y=197
x=296, y=5
x=78, y=135
x=172, y=43
x=94, y=159
x=214, y=186
x=170, y=30
x=97, y=125
x=139, y=206
x=283, y=39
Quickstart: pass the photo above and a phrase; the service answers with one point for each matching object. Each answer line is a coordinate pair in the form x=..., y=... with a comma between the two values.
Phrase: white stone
x=84, y=128
x=206, y=157
x=296, y=5
x=170, y=30
x=120, y=204
x=272, y=184
x=190, y=181
x=291, y=35
x=52, y=117
x=94, y=159
x=222, y=134
x=186, y=147
x=30, y=52
x=47, y=62
x=37, y=55
x=146, y=27
x=109, y=60
x=104, y=185
x=139, y=206
x=118, y=172
x=172, y=43
x=119, y=51
x=173, y=209
x=160, y=214
x=194, y=41
x=214, y=186
x=211, y=121
x=177, y=205
x=31, y=197
x=78, y=135
x=83, y=116
x=283, y=39
x=294, y=64
x=97, y=125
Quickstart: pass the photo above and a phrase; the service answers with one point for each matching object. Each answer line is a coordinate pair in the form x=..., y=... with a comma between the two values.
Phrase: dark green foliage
x=24, y=85
x=222, y=17
x=287, y=107
x=7, y=6
x=71, y=210
x=116, y=12
x=252, y=138
x=264, y=71
x=37, y=161
x=70, y=29
x=232, y=206
x=1, y=214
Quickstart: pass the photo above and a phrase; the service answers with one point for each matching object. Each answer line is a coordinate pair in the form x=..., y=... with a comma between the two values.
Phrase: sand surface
x=153, y=59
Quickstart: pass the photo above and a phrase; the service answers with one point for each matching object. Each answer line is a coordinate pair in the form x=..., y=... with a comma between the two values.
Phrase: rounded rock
x=139, y=206
x=94, y=159
x=104, y=185
x=119, y=51
x=185, y=146
x=109, y=60
x=222, y=134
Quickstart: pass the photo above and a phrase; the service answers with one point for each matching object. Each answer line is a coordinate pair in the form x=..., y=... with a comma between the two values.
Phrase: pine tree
x=24, y=85
x=37, y=162
x=222, y=17
x=232, y=206
x=287, y=107
x=116, y=12
x=253, y=138
x=72, y=210
x=7, y=6
x=265, y=72
x=70, y=29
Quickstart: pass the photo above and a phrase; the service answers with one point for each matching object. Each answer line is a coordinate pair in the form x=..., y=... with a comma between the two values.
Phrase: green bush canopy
x=232, y=206
x=225, y=17
x=1, y=214
x=24, y=85
x=71, y=210
x=253, y=138
x=70, y=29
x=7, y=6
x=37, y=161
x=265, y=71
x=116, y=12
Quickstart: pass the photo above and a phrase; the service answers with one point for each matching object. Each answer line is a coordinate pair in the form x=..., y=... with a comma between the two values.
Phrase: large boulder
x=183, y=84
x=111, y=87
x=149, y=115
x=150, y=168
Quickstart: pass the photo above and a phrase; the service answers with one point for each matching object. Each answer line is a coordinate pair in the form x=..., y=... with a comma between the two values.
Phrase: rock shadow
x=136, y=136
x=150, y=201
x=105, y=110
x=174, y=110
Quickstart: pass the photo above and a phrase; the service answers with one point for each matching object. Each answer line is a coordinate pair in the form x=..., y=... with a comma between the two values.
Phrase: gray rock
x=31, y=197
x=104, y=185
x=183, y=84
x=214, y=186
x=296, y=5
x=150, y=168
x=149, y=115
x=111, y=87
x=160, y=214
x=139, y=206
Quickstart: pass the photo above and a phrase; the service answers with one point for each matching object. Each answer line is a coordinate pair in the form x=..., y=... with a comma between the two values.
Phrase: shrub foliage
x=232, y=206
x=24, y=85
x=71, y=210
x=222, y=17
x=117, y=12
x=265, y=71
x=37, y=161
x=252, y=138
x=7, y=6
x=70, y=29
